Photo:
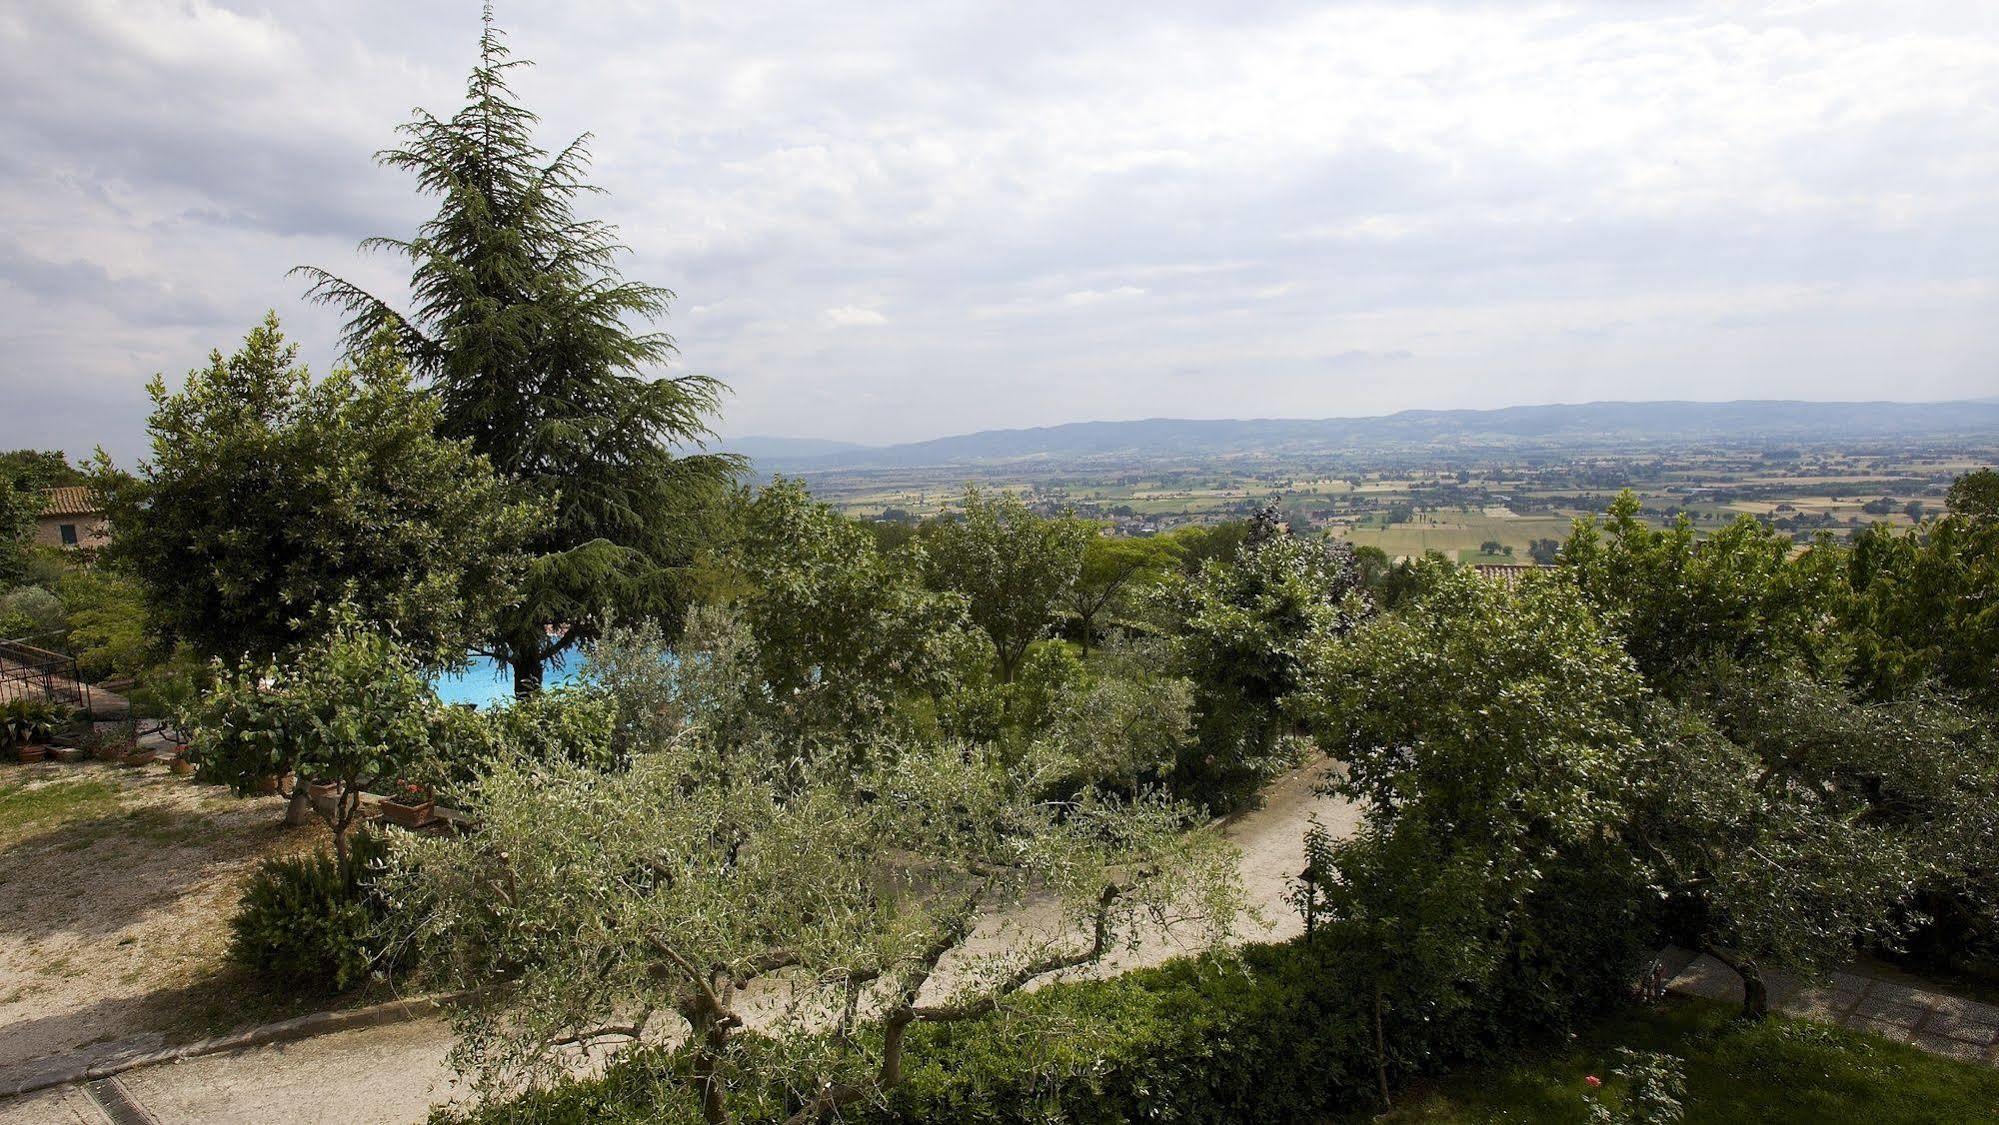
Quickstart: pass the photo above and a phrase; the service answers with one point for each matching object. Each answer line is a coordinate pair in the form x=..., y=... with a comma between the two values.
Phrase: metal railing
x=27, y=669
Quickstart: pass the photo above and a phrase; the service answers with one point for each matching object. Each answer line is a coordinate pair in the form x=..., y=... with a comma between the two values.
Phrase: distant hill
x=759, y=447
x=1620, y=425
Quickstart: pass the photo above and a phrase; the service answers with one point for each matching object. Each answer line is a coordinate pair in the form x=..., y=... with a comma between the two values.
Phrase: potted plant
x=183, y=766
x=409, y=805
x=30, y=724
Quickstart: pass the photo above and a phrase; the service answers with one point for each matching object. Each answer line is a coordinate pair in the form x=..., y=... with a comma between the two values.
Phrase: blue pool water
x=485, y=681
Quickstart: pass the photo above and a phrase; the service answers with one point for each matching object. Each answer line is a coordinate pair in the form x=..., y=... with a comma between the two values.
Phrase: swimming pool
x=485, y=681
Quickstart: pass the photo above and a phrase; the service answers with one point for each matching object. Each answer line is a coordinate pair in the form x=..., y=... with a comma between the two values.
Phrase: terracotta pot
x=140, y=756
x=111, y=751
x=325, y=796
x=272, y=783
x=33, y=753
x=182, y=768
x=408, y=816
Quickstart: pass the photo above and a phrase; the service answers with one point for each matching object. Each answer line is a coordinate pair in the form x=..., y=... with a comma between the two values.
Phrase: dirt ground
x=116, y=888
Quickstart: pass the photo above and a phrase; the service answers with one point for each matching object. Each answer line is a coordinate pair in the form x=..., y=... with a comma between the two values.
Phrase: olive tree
x=1788, y=823
x=725, y=885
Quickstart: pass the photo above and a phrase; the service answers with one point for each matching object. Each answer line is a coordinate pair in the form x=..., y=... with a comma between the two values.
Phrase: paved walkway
x=392, y=1075
x=1934, y=1021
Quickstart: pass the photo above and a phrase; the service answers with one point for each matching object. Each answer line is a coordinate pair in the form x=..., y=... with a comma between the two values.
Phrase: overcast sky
x=893, y=221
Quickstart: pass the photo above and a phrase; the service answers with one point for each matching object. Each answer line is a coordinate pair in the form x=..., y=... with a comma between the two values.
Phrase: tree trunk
x=1380, y=1050
x=527, y=676
x=891, y=1068
x=300, y=808
x=1755, y=993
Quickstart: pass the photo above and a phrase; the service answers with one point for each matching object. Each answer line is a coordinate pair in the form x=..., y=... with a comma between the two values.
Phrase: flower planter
x=272, y=784
x=68, y=753
x=140, y=756
x=182, y=767
x=112, y=751
x=33, y=753
x=408, y=816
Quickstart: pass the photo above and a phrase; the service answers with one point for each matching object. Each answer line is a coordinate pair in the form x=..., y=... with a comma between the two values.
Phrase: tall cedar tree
x=519, y=324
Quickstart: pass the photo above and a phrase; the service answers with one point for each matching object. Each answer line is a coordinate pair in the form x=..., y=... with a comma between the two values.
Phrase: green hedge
x=1285, y=1033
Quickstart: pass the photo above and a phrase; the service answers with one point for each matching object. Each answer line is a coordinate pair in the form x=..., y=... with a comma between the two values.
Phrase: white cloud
x=853, y=316
x=1533, y=201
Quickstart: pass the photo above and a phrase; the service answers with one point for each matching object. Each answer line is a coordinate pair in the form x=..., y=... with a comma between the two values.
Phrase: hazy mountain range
x=1620, y=425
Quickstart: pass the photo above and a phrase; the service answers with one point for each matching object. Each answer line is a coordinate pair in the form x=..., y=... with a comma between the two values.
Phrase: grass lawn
x=1781, y=1070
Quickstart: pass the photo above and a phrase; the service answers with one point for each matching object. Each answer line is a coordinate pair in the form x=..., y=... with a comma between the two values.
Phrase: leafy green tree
x=1545, y=552
x=1124, y=723
x=1012, y=567
x=18, y=508
x=519, y=325
x=1680, y=601
x=1975, y=496
x=271, y=498
x=108, y=627
x=1486, y=733
x=1788, y=824
x=723, y=866
x=1244, y=629
x=1923, y=609
x=843, y=630
x=36, y=469
x=349, y=709
x=1112, y=567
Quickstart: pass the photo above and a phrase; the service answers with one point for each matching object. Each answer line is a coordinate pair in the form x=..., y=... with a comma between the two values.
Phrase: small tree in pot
x=350, y=711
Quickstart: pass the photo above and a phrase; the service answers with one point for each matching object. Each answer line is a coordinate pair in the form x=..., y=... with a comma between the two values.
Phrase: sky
x=888, y=222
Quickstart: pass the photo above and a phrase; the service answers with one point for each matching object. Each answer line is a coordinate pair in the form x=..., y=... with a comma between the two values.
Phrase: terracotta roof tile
x=74, y=500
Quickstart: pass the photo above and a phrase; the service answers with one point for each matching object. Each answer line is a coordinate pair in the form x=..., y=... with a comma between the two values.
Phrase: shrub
x=302, y=924
x=1282, y=1033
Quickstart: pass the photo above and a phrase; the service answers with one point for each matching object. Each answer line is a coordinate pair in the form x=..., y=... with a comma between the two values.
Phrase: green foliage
x=349, y=709
x=1113, y=570
x=30, y=720
x=841, y=630
x=37, y=469
x=1124, y=723
x=724, y=856
x=1011, y=567
x=1736, y=1073
x=271, y=499
x=1788, y=822
x=519, y=323
x=1245, y=627
x=311, y=922
x=1974, y=497
x=1923, y=607
x=1281, y=1033
x=1680, y=601
x=1486, y=732
x=109, y=631
x=33, y=614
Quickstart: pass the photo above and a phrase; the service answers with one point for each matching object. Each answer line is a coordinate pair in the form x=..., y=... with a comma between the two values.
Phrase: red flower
x=1592, y=1081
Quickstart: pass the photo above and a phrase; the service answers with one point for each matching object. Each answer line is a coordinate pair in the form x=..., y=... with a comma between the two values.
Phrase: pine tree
x=519, y=325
